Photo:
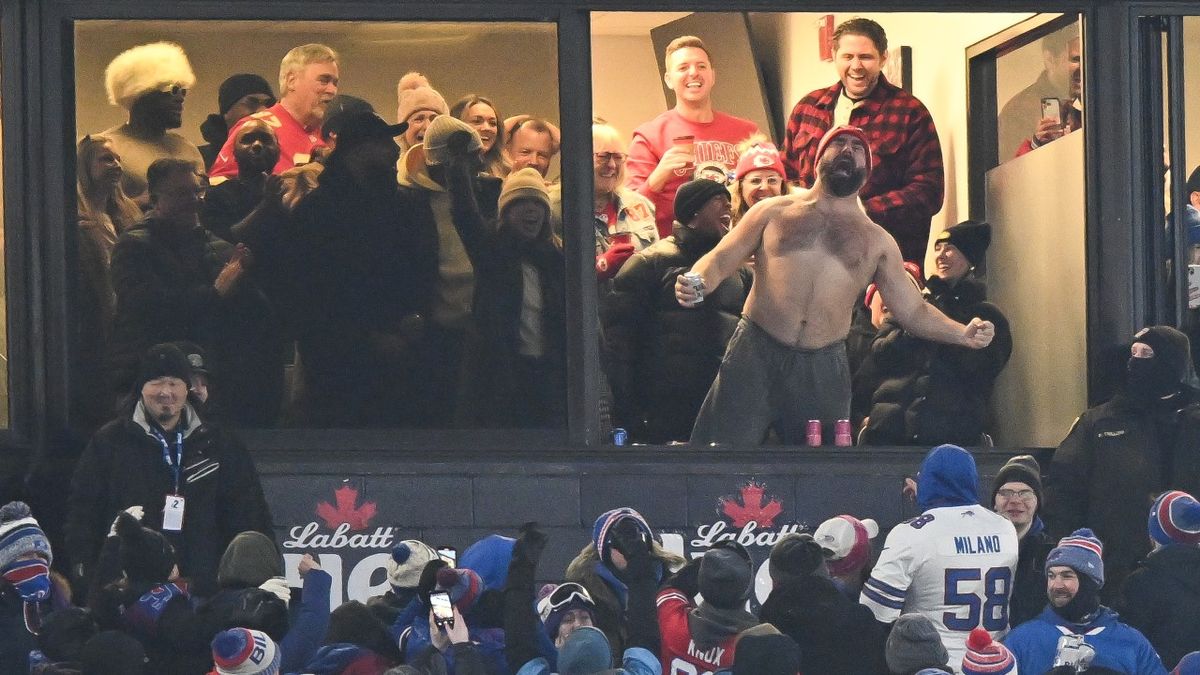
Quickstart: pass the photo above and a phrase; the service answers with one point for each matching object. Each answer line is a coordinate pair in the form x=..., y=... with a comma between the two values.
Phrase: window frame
x=38, y=77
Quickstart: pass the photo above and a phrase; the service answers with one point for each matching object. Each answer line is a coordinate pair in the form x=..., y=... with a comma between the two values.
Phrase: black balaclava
x=1085, y=603
x=1162, y=374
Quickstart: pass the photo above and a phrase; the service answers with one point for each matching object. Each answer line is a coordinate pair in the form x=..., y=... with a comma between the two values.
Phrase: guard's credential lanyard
x=174, y=504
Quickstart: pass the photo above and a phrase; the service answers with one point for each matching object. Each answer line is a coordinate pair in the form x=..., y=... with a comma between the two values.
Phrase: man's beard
x=842, y=177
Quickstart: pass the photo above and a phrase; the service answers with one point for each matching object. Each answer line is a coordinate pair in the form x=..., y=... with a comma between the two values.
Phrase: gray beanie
x=914, y=644
x=725, y=576
x=437, y=138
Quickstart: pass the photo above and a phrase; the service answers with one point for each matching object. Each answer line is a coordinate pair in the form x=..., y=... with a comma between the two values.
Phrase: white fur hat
x=146, y=68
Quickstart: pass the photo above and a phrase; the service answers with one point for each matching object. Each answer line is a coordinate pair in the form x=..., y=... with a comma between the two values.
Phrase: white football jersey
x=954, y=565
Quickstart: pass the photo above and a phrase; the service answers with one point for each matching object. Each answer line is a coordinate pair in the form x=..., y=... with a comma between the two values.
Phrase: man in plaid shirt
x=906, y=185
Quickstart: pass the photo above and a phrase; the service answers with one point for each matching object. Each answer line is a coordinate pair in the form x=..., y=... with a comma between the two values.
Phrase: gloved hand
x=135, y=511
x=1074, y=652
x=278, y=586
x=687, y=579
x=429, y=579
x=630, y=540
x=529, y=545
x=609, y=262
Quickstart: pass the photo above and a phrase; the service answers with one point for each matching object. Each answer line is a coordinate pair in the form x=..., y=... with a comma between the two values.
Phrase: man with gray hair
x=308, y=80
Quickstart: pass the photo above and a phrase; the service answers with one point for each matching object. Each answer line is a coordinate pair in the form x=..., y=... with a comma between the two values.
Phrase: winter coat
x=1029, y=582
x=665, y=357
x=16, y=640
x=1118, y=647
x=1162, y=600
x=464, y=657
x=837, y=636
x=611, y=593
x=1117, y=458
x=163, y=278
x=368, y=272
x=123, y=466
x=930, y=393
x=227, y=203
x=502, y=388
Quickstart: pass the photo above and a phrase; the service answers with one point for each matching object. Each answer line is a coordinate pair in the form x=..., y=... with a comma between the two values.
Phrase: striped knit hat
x=241, y=651
x=985, y=656
x=605, y=523
x=1082, y=552
x=1175, y=519
x=20, y=534
x=463, y=585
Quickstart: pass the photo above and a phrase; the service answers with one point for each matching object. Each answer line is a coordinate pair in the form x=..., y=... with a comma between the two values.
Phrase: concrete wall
x=688, y=497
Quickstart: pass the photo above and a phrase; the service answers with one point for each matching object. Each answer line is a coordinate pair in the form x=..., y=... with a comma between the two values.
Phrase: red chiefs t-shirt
x=715, y=145
x=296, y=143
x=680, y=654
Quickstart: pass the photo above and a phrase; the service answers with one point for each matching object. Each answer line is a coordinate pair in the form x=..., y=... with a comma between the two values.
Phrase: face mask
x=31, y=578
x=1151, y=378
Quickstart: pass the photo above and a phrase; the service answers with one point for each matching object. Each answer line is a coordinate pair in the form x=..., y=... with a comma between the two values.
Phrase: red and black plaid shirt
x=906, y=185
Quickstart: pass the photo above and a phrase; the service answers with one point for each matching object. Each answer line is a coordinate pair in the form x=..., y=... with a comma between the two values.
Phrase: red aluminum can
x=841, y=434
x=814, y=433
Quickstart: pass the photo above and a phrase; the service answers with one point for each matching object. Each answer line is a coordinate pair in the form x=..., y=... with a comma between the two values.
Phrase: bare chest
x=811, y=232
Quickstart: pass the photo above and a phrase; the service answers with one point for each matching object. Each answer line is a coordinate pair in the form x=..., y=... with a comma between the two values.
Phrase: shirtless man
x=814, y=251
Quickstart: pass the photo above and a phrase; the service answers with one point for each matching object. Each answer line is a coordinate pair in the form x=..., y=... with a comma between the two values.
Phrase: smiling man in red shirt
x=907, y=183
x=308, y=80
x=667, y=150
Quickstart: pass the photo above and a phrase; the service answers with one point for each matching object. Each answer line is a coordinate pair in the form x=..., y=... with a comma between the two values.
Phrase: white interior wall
x=1037, y=277
x=626, y=81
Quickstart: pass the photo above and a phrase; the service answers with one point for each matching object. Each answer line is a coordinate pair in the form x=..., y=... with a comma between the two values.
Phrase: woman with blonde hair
x=759, y=174
x=105, y=211
x=483, y=115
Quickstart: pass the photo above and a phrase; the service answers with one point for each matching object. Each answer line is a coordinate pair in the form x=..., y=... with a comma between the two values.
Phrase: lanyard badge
x=173, y=506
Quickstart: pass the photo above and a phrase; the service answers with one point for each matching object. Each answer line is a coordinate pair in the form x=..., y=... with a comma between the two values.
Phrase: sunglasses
x=174, y=89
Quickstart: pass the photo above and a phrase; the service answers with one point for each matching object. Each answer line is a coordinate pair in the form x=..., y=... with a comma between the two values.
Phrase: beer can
x=620, y=436
x=697, y=283
x=841, y=434
x=814, y=433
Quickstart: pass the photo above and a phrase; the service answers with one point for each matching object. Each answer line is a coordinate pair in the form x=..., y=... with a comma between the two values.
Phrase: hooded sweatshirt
x=1119, y=648
x=954, y=563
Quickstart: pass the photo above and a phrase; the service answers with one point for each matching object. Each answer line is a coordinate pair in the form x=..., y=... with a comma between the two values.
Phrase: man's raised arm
x=917, y=316
x=729, y=254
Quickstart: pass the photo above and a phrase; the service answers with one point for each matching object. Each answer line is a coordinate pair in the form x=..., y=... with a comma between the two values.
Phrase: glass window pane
x=1039, y=87
x=326, y=297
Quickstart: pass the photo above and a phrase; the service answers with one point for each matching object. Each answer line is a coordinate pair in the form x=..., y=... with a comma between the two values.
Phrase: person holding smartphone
x=1050, y=107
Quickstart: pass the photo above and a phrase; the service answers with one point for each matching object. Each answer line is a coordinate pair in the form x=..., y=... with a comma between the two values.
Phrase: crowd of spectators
x=974, y=584
x=317, y=265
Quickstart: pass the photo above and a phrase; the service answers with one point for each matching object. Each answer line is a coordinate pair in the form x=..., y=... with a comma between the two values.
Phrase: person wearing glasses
x=1017, y=495
x=624, y=219
x=308, y=82
x=150, y=81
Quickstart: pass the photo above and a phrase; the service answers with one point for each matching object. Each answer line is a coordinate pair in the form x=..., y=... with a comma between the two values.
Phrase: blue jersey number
x=992, y=607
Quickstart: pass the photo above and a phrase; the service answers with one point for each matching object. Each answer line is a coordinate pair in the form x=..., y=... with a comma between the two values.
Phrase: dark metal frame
x=37, y=43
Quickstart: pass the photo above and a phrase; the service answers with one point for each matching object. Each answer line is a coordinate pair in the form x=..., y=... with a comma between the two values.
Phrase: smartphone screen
x=448, y=554
x=443, y=613
x=1052, y=109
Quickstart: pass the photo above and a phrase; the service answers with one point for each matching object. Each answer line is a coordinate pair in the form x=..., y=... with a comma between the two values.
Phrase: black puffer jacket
x=163, y=277
x=930, y=393
x=837, y=636
x=665, y=356
x=1162, y=600
x=1117, y=458
x=123, y=466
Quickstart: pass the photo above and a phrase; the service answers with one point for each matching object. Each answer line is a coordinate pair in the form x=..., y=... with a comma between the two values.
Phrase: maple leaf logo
x=346, y=512
x=754, y=507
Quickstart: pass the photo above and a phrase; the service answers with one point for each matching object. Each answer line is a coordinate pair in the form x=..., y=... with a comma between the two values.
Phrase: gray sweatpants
x=763, y=382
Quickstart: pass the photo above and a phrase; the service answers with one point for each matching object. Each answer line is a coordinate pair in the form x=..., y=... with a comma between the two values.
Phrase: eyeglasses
x=563, y=596
x=174, y=89
x=606, y=157
x=1023, y=495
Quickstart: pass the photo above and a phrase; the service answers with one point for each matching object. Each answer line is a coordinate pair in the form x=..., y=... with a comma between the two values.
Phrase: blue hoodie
x=948, y=478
